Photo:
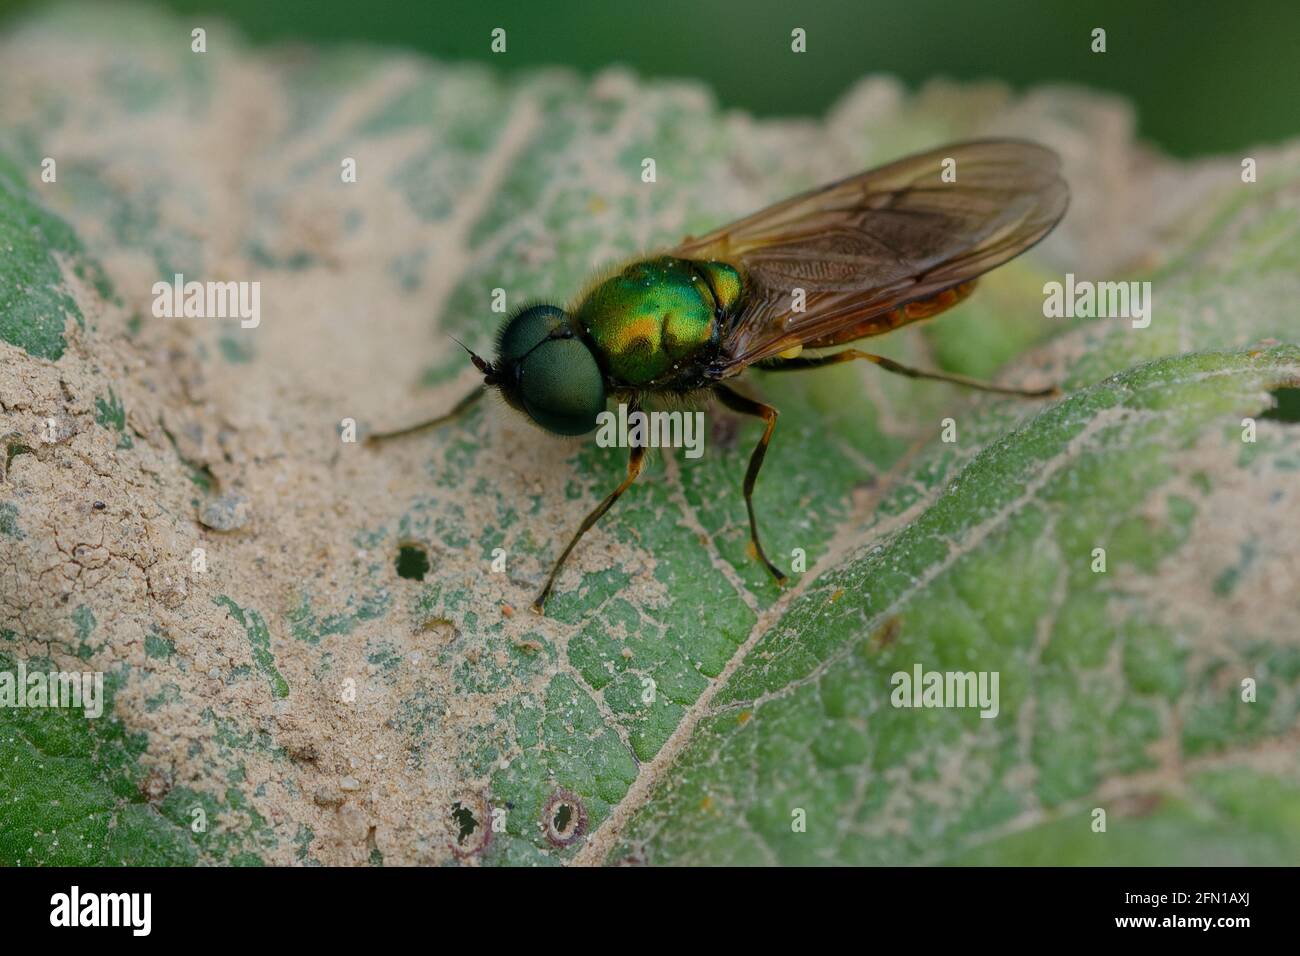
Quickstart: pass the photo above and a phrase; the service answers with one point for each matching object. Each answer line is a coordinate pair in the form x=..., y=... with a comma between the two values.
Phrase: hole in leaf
x=412, y=562
x=1286, y=406
x=465, y=821
x=471, y=818
x=565, y=818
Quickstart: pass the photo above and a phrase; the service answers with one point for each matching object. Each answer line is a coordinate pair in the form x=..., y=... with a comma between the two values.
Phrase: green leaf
x=340, y=675
x=34, y=304
x=1109, y=683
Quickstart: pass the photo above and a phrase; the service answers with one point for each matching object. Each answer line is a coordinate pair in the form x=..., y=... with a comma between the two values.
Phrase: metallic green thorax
x=657, y=314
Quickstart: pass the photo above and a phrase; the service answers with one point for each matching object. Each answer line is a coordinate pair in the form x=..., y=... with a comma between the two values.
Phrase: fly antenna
x=480, y=364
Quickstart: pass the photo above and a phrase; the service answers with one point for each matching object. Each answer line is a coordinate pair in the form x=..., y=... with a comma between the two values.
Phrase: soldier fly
x=862, y=256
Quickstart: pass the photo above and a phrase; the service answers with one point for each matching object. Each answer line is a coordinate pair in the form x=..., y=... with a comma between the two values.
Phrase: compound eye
x=561, y=386
x=527, y=330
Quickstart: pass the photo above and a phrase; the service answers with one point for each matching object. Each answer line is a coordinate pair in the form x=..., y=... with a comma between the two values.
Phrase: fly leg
x=889, y=365
x=747, y=406
x=456, y=410
x=635, y=457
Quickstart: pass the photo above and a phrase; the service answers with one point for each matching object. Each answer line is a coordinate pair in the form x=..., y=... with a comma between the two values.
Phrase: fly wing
x=863, y=247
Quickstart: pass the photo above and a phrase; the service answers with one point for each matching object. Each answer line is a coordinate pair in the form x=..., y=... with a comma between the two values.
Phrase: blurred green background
x=1205, y=76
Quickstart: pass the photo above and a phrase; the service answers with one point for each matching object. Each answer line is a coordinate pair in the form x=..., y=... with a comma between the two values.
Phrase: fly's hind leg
x=456, y=410
x=635, y=457
x=747, y=406
x=889, y=365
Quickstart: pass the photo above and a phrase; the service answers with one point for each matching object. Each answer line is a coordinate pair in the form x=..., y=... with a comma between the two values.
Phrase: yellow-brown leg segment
x=456, y=410
x=889, y=365
x=747, y=406
x=634, y=460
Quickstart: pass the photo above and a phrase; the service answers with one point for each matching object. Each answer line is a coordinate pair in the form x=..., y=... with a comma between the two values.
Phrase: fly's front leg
x=456, y=410
x=889, y=365
x=635, y=457
x=747, y=406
